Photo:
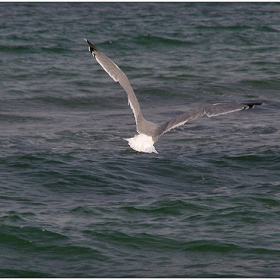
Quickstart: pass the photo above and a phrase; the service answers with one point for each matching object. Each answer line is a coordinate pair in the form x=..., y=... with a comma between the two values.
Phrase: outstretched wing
x=208, y=110
x=118, y=76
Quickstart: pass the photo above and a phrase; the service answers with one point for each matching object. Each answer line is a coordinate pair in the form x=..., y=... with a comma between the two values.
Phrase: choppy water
x=77, y=201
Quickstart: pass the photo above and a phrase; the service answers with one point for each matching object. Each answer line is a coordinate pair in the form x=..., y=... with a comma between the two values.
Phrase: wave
x=223, y=27
x=155, y=40
x=22, y=273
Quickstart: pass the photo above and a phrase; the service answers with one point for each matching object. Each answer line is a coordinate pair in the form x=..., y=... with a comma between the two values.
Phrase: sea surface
x=77, y=201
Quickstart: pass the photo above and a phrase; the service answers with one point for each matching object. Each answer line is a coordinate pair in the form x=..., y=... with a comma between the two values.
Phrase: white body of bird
x=142, y=143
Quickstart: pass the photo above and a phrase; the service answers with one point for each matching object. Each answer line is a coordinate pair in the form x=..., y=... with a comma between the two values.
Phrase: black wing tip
x=252, y=104
x=92, y=48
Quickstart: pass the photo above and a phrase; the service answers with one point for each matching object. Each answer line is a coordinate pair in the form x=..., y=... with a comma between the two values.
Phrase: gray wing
x=118, y=76
x=208, y=110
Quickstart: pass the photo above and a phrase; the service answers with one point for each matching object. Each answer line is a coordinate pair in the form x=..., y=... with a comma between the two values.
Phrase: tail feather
x=142, y=143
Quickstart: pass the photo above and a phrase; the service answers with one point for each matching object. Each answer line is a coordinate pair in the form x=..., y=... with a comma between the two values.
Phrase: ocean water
x=76, y=201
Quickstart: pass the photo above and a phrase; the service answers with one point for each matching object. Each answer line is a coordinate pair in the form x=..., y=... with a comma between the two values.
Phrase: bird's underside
x=149, y=132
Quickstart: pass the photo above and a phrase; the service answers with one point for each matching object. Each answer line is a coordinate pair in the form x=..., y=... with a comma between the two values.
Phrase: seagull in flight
x=149, y=132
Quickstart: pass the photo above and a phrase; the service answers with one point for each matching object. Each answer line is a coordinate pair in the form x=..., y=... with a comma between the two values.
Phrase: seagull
x=149, y=132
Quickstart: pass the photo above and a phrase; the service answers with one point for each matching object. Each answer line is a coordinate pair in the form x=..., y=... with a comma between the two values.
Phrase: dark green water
x=76, y=201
